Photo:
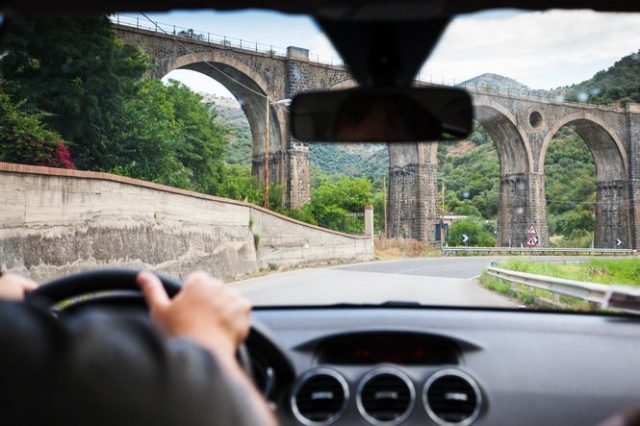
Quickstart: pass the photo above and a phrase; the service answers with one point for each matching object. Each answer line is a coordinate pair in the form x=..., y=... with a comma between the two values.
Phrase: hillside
x=237, y=133
x=355, y=160
x=494, y=81
x=618, y=83
x=499, y=82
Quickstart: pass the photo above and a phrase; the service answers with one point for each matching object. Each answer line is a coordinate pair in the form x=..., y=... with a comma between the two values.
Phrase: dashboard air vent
x=385, y=397
x=320, y=397
x=452, y=397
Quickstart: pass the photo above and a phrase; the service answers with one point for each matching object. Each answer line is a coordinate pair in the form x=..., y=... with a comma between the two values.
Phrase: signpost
x=532, y=236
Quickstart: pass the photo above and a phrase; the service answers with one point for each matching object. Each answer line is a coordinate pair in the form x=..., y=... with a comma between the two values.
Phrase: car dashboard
x=444, y=366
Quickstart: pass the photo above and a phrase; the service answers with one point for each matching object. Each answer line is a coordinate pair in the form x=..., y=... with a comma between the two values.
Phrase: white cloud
x=320, y=47
x=539, y=49
x=198, y=82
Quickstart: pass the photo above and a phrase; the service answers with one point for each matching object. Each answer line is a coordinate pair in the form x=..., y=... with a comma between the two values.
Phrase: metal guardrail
x=612, y=297
x=538, y=251
x=589, y=292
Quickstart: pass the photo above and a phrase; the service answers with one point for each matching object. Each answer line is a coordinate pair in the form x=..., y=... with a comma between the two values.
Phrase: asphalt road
x=429, y=281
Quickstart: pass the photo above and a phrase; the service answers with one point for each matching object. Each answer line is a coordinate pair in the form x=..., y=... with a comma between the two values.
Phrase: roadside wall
x=55, y=222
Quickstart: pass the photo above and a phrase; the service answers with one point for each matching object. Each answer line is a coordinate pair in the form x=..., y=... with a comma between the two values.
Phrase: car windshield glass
x=162, y=141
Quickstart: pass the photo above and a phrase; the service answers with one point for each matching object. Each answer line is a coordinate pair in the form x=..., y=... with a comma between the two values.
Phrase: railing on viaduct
x=224, y=41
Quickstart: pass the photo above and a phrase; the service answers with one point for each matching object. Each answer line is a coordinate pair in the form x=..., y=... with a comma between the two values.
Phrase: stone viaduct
x=520, y=126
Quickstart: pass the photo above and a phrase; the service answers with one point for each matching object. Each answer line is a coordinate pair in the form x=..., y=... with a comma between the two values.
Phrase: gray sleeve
x=102, y=368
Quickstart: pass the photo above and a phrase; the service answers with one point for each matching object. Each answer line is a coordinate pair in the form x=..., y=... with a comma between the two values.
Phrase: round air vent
x=320, y=397
x=385, y=396
x=452, y=398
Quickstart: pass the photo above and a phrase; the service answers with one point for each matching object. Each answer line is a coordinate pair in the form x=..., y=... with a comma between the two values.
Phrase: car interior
x=398, y=363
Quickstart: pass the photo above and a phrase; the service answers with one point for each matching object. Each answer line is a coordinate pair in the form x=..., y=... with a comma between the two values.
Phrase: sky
x=543, y=50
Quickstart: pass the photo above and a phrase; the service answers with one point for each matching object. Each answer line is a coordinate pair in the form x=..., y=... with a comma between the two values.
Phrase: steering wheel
x=114, y=287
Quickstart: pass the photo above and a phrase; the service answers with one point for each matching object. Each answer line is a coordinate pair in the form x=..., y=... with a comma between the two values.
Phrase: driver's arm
x=102, y=368
x=208, y=313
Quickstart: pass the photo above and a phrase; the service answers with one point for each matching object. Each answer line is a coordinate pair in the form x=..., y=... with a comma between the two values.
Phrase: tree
x=337, y=205
x=620, y=82
x=79, y=74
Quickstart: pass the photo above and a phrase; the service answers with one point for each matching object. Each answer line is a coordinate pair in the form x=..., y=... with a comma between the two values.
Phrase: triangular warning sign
x=531, y=231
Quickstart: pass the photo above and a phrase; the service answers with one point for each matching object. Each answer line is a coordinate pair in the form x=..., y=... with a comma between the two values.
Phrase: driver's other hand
x=205, y=310
x=15, y=287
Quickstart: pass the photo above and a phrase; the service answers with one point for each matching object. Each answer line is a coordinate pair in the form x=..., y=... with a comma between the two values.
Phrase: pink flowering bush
x=25, y=139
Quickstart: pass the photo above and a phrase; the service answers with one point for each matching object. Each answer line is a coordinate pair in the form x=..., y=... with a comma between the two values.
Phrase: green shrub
x=473, y=228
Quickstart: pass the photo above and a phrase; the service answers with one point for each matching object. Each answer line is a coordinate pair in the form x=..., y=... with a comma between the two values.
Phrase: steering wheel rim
x=110, y=280
x=99, y=280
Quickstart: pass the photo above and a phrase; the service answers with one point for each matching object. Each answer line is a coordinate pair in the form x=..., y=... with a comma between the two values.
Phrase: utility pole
x=266, y=156
x=267, y=140
x=442, y=218
x=384, y=204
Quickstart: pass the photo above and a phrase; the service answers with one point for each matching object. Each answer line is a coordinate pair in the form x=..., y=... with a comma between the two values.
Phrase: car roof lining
x=352, y=10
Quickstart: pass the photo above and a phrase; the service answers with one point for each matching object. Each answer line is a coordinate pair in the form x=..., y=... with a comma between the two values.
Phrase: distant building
x=223, y=101
x=448, y=219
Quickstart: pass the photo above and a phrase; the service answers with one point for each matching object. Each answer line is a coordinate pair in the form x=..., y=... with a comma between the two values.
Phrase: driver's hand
x=205, y=311
x=15, y=287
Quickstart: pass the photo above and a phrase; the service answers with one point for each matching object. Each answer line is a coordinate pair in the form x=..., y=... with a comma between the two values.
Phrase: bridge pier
x=412, y=196
x=521, y=203
x=632, y=115
x=297, y=177
x=612, y=215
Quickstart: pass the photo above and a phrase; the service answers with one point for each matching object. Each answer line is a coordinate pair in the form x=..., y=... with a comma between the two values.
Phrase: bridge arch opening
x=252, y=92
x=227, y=111
x=594, y=169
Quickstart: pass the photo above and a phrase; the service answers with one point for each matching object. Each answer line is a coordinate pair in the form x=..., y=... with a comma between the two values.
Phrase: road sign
x=532, y=236
x=465, y=238
x=618, y=242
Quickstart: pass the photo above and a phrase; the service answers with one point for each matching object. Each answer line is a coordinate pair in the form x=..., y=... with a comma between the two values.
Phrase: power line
x=548, y=201
x=187, y=48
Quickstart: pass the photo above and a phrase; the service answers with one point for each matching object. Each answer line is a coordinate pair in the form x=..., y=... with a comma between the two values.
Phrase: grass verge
x=602, y=271
x=399, y=248
x=531, y=297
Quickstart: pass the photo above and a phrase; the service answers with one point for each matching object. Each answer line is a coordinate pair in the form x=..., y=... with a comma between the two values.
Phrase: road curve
x=430, y=281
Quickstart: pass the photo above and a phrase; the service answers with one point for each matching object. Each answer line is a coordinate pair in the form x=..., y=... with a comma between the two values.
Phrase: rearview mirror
x=382, y=115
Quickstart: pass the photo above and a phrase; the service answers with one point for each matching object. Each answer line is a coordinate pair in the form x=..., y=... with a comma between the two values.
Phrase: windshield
x=162, y=141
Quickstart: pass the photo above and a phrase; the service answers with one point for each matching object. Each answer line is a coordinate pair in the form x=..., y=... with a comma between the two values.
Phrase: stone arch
x=251, y=90
x=605, y=145
x=512, y=144
x=517, y=206
x=612, y=211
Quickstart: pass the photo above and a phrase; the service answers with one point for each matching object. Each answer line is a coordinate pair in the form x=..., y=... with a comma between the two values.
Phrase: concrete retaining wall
x=54, y=222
